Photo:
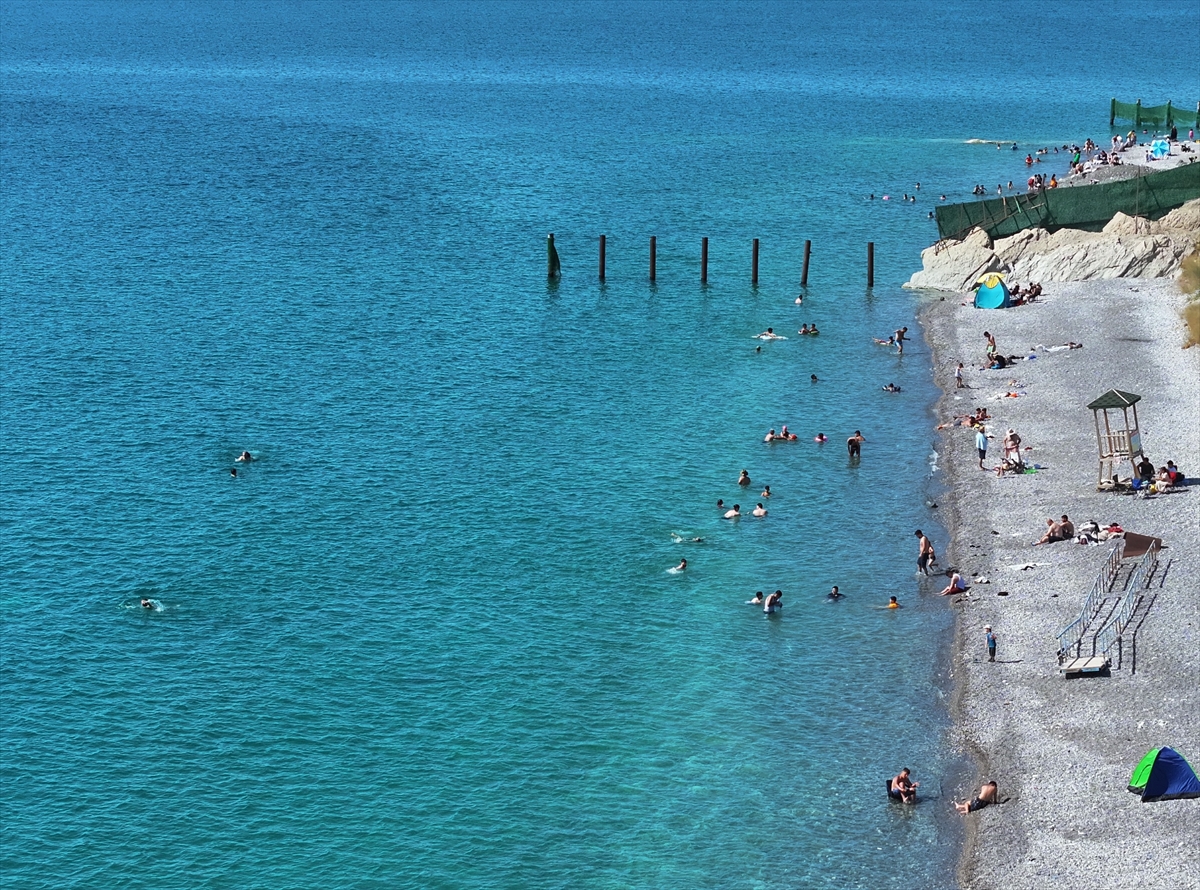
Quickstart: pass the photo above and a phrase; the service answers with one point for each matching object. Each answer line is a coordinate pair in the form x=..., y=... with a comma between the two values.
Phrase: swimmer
x=720, y=503
x=785, y=435
x=892, y=603
x=760, y=510
x=813, y=378
x=890, y=341
x=766, y=492
x=813, y=330
x=800, y=300
x=803, y=330
x=820, y=438
x=774, y=603
x=769, y=334
x=834, y=595
x=245, y=457
x=758, y=599
x=735, y=513
x=681, y=567
x=758, y=349
x=233, y=472
x=891, y=387
x=770, y=436
x=147, y=604
x=744, y=479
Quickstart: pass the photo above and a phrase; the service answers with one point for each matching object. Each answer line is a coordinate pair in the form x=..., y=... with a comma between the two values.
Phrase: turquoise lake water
x=428, y=637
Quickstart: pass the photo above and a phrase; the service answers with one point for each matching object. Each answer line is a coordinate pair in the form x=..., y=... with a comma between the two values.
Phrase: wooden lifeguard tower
x=1119, y=439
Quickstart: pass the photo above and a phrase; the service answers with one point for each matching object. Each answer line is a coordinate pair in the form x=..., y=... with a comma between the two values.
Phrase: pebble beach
x=1062, y=750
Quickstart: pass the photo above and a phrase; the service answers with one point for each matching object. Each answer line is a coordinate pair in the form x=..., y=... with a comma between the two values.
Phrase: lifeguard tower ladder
x=1119, y=440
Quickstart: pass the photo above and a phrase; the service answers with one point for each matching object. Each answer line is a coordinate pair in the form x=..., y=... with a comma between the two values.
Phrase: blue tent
x=1164, y=775
x=991, y=292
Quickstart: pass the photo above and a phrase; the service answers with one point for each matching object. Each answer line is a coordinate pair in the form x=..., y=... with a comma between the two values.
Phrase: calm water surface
x=428, y=637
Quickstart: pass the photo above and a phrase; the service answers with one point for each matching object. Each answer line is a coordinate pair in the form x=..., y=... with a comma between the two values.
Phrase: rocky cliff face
x=1129, y=247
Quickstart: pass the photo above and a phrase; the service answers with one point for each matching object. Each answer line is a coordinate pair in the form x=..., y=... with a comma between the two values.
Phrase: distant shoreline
x=1062, y=750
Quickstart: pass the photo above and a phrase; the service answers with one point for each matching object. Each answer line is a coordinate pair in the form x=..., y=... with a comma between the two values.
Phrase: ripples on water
x=427, y=638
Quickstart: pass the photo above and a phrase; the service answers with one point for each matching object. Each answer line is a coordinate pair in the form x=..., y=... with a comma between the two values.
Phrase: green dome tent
x=991, y=292
x=1164, y=774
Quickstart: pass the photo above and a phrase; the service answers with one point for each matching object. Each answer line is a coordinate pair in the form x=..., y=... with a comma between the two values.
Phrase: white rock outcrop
x=1128, y=247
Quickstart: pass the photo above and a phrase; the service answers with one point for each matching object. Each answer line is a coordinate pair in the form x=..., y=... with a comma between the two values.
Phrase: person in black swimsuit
x=854, y=444
x=986, y=797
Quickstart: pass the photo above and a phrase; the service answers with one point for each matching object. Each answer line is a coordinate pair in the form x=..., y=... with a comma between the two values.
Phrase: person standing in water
x=925, y=554
x=854, y=444
x=900, y=338
x=774, y=603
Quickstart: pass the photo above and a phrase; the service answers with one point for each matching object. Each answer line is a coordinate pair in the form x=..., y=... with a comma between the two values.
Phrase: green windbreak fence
x=1087, y=207
x=1154, y=115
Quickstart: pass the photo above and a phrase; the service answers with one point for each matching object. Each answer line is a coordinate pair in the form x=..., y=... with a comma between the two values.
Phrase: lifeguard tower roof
x=1114, y=398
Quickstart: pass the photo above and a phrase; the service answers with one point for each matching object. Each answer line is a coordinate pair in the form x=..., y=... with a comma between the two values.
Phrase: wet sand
x=1062, y=750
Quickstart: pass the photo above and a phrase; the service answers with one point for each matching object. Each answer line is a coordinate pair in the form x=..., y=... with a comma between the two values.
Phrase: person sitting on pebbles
x=986, y=797
x=956, y=585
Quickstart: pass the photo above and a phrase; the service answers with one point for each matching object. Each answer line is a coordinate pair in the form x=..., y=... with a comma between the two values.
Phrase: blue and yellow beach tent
x=991, y=292
x=1164, y=775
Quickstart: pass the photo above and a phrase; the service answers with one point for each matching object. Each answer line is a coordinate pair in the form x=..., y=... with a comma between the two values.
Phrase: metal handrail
x=1139, y=580
x=1071, y=636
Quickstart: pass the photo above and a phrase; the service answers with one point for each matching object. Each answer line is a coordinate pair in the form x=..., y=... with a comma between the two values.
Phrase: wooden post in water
x=754, y=265
x=553, y=268
x=602, y=257
x=704, y=261
x=804, y=271
x=653, y=255
x=870, y=264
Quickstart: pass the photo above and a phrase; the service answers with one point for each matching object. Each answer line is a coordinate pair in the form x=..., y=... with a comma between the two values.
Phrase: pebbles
x=1062, y=750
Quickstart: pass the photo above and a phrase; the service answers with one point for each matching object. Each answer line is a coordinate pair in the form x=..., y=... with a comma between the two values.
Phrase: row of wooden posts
x=553, y=268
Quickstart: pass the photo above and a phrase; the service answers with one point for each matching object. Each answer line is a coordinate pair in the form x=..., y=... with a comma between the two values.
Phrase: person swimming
x=681, y=567
x=735, y=513
x=892, y=603
x=890, y=341
x=720, y=503
x=744, y=478
x=813, y=378
x=758, y=599
x=834, y=594
x=766, y=492
x=245, y=457
x=803, y=330
x=760, y=510
x=891, y=387
x=813, y=330
x=233, y=472
x=769, y=334
x=820, y=438
x=147, y=603
x=770, y=436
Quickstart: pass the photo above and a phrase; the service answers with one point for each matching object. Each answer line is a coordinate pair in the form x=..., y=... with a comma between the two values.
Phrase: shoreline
x=1062, y=750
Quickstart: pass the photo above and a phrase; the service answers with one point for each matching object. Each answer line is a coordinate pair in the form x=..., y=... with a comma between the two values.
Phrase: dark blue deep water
x=428, y=638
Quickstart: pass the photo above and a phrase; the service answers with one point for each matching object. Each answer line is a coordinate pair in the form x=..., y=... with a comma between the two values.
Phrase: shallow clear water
x=428, y=637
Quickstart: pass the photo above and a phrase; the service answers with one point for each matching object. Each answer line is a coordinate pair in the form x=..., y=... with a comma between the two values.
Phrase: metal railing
x=1071, y=636
x=1139, y=580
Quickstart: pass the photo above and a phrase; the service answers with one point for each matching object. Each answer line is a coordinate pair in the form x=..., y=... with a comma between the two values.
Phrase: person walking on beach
x=981, y=444
x=854, y=444
x=900, y=338
x=925, y=554
x=991, y=642
x=991, y=344
x=958, y=377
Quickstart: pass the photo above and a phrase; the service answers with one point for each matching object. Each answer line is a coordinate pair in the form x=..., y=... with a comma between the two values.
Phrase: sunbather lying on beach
x=986, y=796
